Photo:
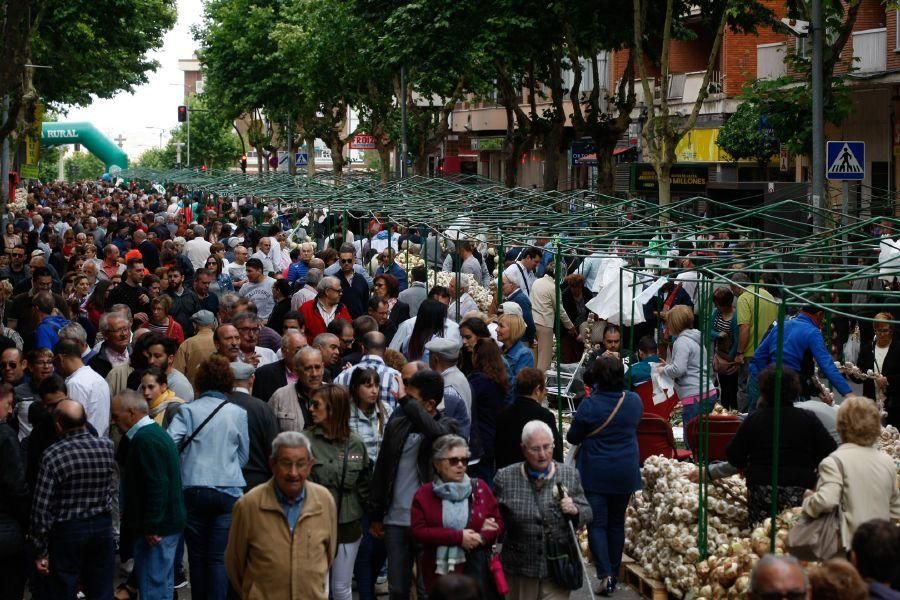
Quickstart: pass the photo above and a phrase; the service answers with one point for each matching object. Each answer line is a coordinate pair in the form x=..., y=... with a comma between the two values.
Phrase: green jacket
x=153, y=499
x=329, y=456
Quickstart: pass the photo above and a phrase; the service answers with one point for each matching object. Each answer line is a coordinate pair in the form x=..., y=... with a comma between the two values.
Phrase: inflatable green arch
x=57, y=134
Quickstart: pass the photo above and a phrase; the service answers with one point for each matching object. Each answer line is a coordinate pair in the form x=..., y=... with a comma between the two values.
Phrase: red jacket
x=313, y=322
x=426, y=519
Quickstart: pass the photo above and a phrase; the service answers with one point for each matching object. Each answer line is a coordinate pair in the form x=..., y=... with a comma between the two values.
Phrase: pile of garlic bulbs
x=661, y=522
x=889, y=442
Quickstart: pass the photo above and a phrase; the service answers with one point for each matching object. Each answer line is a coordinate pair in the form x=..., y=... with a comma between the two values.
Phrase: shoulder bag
x=819, y=538
x=563, y=563
x=573, y=453
x=347, y=532
x=187, y=441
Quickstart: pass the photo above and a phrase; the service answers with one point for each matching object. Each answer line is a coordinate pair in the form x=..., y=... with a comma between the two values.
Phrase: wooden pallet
x=641, y=581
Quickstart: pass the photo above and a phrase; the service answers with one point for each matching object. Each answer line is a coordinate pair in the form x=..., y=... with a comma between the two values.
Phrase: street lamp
x=162, y=130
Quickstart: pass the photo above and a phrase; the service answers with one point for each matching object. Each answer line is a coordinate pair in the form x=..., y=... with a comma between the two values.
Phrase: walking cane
x=565, y=494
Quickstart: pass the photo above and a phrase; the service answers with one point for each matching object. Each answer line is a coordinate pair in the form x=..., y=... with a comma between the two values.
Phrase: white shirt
x=86, y=387
x=268, y=267
x=197, y=251
x=398, y=342
x=688, y=281
x=266, y=356
x=302, y=296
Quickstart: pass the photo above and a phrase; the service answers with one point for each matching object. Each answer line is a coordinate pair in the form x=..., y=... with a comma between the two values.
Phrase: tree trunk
x=606, y=168
x=664, y=181
x=259, y=159
x=310, y=155
x=384, y=168
x=336, y=145
x=551, y=142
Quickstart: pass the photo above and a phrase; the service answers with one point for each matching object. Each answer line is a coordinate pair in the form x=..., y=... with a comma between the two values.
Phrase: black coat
x=262, y=427
x=804, y=443
x=408, y=418
x=268, y=379
x=890, y=368
x=508, y=440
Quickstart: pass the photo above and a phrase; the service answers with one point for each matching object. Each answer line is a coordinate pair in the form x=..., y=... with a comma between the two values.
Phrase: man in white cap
x=443, y=355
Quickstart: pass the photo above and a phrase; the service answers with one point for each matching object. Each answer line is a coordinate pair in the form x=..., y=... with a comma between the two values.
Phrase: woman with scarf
x=455, y=519
x=162, y=401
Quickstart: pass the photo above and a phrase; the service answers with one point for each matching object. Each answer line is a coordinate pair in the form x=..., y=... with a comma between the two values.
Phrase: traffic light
x=244, y=163
x=182, y=113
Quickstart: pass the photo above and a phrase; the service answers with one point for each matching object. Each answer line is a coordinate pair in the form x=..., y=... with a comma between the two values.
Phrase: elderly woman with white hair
x=456, y=519
x=538, y=498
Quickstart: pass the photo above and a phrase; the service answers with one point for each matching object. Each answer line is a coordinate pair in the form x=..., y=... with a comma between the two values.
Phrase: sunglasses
x=346, y=261
x=9, y=365
x=455, y=461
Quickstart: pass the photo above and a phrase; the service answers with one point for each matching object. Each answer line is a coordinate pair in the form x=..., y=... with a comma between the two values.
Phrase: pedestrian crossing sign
x=846, y=161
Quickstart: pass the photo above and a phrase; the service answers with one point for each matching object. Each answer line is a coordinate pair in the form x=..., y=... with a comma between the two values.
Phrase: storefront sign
x=584, y=153
x=685, y=178
x=487, y=144
x=363, y=141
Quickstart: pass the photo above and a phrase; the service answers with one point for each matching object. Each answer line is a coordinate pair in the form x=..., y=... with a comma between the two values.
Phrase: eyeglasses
x=455, y=461
x=119, y=330
x=248, y=329
x=346, y=261
x=9, y=365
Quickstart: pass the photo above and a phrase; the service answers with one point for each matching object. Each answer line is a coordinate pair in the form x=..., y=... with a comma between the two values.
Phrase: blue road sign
x=846, y=161
x=301, y=159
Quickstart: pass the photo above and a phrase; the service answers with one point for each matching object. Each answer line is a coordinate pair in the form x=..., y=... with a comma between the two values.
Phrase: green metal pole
x=776, y=420
x=557, y=260
x=500, y=263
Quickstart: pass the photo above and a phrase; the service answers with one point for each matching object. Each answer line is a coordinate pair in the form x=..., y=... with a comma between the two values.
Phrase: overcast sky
x=153, y=105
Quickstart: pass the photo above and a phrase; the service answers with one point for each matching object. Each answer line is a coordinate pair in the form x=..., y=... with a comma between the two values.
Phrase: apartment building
x=873, y=51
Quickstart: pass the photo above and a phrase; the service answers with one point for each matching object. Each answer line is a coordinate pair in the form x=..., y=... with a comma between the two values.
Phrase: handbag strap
x=608, y=419
x=343, y=477
x=840, y=466
x=186, y=442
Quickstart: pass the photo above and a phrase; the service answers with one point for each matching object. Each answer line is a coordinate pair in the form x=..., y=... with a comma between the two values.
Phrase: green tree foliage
x=157, y=158
x=83, y=165
x=743, y=137
x=48, y=167
x=94, y=48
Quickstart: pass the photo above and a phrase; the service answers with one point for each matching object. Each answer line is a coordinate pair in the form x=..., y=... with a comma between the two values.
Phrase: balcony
x=870, y=50
x=770, y=61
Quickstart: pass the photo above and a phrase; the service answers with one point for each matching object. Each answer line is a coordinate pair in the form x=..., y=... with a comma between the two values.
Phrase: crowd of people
x=217, y=393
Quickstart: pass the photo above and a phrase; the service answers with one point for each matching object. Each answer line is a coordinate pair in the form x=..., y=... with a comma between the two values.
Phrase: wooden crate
x=641, y=581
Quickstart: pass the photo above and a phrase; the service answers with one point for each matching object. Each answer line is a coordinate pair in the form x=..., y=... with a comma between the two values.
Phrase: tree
x=786, y=101
x=94, y=48
x=744, y=137
x=157, y=158
x=590, y=28
x=663, y=130
x=48, y=167
x=83, y=165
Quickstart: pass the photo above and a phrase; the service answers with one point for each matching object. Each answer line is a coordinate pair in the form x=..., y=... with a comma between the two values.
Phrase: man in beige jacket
x=543, y=309
x=283, y=535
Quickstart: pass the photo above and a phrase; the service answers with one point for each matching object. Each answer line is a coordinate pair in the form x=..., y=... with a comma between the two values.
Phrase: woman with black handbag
x=455, y=519
x=608, y=461
x=542, y=503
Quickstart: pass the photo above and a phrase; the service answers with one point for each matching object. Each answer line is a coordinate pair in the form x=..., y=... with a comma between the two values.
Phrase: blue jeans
x=206, y=535
x=692, y=410
x=155, y=567
x=82, y=551
x=402, y=554
x=606, y=533
x=369, y=561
